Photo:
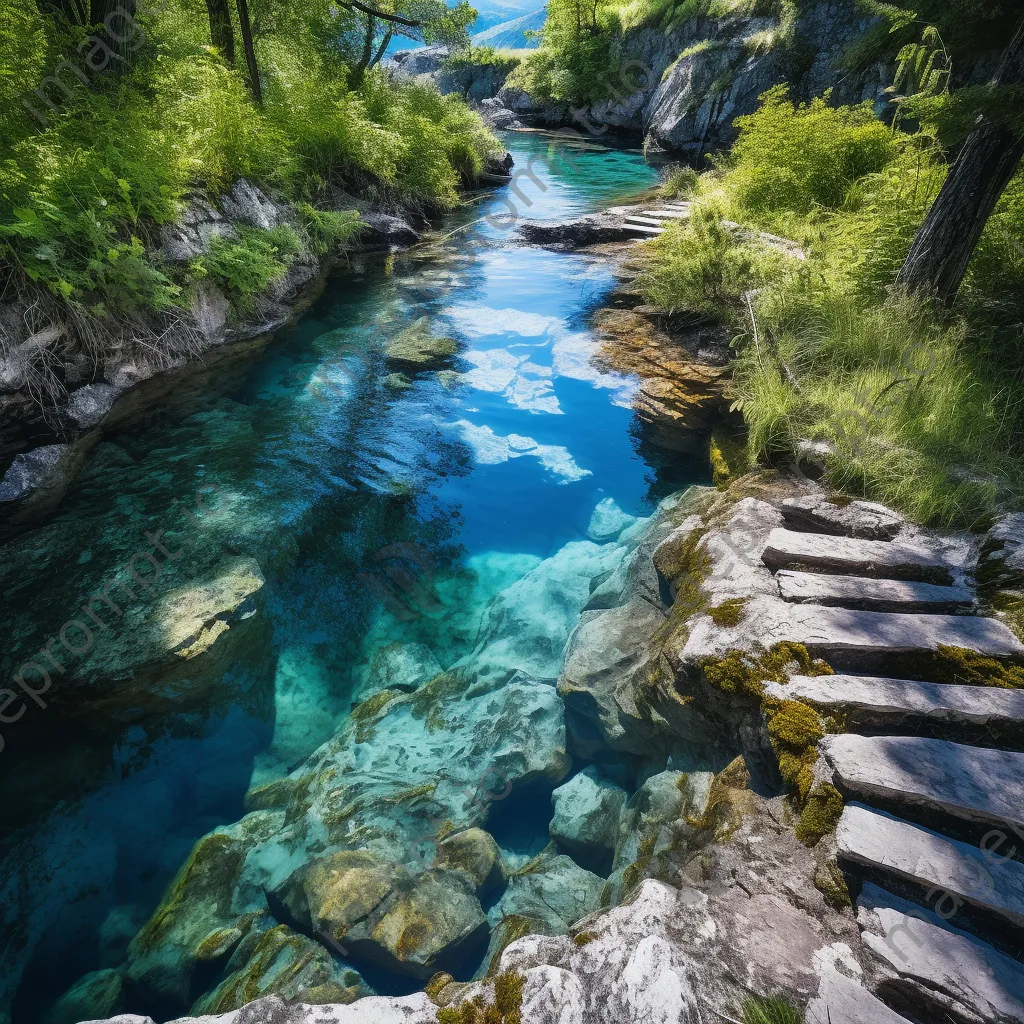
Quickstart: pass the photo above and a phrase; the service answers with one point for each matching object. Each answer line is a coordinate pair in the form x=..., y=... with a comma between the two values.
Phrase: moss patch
x=506, y=1008
x=727, y=615
x=365, y=715
x=831, y=883
x=820, y=815
x=740, y=673
x=728, y=458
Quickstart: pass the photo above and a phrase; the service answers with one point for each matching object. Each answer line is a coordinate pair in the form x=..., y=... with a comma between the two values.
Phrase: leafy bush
x=482, y=57
x=245, y=267
x=699, y=265
x=797, y=157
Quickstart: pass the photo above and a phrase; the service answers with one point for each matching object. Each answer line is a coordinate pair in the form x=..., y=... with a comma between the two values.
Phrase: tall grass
x=920, y=408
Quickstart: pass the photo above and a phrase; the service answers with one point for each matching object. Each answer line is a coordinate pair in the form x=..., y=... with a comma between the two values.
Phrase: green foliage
x=798, y=157
x=770, y=1011
x=921, y=410
x=83, y=194
x=699, y=265
x=329, y=230
x=482, y=57
x=245, y=267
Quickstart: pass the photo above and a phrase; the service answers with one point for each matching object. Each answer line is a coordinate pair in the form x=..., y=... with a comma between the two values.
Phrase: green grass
x=770, y=1011
x=922, y=408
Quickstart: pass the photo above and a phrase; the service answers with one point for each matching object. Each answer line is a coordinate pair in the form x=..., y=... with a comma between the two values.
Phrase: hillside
x=511, y=35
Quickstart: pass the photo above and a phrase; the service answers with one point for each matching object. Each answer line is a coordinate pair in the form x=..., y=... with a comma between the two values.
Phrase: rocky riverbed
x=695, y=861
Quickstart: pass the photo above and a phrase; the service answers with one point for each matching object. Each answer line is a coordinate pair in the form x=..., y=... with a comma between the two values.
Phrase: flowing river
x=393, y=514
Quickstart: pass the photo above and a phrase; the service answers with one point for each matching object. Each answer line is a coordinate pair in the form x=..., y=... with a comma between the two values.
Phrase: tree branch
x=374, y=13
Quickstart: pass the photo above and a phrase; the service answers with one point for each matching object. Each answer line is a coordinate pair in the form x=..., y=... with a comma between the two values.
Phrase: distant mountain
x=490, y=14
x=511, y=35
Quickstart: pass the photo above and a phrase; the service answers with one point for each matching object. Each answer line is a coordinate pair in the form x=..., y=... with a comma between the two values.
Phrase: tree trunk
x=222, y=33
x=943, y=247
x=250, y=52
x=364, y=60
x=381, y=49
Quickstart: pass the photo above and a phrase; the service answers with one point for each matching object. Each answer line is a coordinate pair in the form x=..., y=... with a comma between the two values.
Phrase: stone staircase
x=931, y=771
x=650, y=223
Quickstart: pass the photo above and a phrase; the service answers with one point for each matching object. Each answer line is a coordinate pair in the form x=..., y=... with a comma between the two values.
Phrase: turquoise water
x=327, y=468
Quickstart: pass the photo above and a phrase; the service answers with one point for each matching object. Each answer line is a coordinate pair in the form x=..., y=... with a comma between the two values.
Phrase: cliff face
x=682, y=90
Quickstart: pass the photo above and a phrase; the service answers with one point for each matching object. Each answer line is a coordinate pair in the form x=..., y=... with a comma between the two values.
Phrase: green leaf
x=26, y=216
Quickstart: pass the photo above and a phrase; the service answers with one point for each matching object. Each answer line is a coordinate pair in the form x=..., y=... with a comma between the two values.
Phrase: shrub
x=700, y=265
x=245, y=267
x=796, y=157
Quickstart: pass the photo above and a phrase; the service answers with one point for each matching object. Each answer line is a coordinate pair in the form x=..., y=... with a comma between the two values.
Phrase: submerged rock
x=586, y=820
x=417, y=348
x=679, y=397
x=98, y=994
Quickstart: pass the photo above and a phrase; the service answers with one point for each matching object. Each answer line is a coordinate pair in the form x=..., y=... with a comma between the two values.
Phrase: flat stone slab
x=849, y=639
x=976, y=784
x=925, y=858
x=880, y=697
x=813, y=552
x=841, y=1000
x=875, y=595
x=863, y=519
x=951, y=968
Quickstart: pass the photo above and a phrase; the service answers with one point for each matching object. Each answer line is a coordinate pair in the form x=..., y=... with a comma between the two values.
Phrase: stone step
x=943, y=972
x=846, y=637
x=873, y=594
x=888, y=702
x=641, y=229
x=973, y=784
x=651, y=222
x=930, y=861
x=787, y=549
x=863, y=519
x=841, y=1000
x=675, y=214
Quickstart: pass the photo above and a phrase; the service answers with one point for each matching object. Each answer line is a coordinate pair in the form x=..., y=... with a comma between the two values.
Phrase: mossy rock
x=287, y=964
x=433, y=926
x=474, y=853
x=345, y=888
x=417, y=348
x=194, y=922
x=820, y=814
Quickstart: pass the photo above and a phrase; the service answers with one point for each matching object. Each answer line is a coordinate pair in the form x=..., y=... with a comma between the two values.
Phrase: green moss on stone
x=830, y=881
x=365, y=715
x=728, y=614
x=820, y=814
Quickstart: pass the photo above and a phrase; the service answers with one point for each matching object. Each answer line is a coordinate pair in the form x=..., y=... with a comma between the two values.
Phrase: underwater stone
x=399, y=666
x=553, y=891
x=587, y=810
x=431, y=928
x=417, y=348
x=608, y=521
x=475, y=853
x=97, y=994
x=286, y=964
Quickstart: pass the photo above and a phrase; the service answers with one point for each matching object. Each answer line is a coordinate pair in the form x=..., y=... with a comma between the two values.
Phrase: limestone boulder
x=398, y=666
x=99, y=994
x=586, y=819
x=288, y=965
x=417, y=348
x=474, y=853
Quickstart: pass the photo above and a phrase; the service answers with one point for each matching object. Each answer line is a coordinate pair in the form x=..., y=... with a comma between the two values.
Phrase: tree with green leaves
x=982, y=125
x=426, y=21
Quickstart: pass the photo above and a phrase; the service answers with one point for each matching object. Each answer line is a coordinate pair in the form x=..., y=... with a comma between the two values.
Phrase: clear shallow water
x=322, y=461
